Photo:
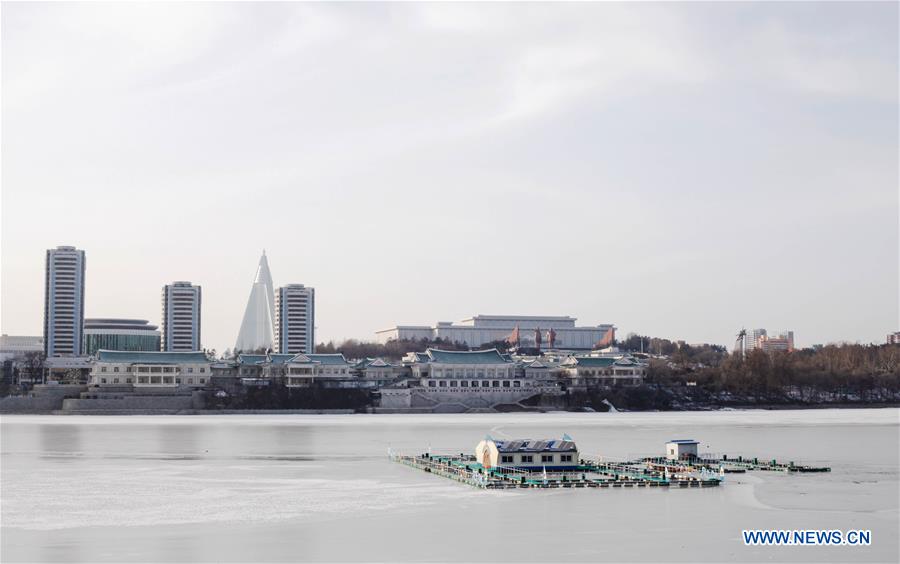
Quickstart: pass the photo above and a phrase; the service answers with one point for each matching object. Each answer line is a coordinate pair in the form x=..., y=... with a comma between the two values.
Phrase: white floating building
x=678, y=449
x=528, y=454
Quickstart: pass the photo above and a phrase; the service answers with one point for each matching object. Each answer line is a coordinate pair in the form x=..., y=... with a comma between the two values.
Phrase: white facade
x=330, y=370
x=257, y=327
x=180, y=317
x=526, y=454
x=584, y=372
x=64, y=301
x=681, y=448
x=481, y=329
x=295, y=319
x=151, y=369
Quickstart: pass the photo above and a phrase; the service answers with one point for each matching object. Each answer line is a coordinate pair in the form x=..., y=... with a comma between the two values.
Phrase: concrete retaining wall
x=42, y=399
x=128, y=403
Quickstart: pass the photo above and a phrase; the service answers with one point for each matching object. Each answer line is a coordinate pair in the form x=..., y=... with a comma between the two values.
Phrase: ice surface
x=287, y=488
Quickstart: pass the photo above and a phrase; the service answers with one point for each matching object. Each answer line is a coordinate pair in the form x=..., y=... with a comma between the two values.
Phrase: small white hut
x=678, y=449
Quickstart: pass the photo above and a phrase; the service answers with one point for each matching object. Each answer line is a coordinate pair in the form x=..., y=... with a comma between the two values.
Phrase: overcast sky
x=679, y=170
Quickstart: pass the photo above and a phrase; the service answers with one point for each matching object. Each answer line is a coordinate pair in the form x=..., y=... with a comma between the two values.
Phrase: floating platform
x=467, y=470
x=650, y=472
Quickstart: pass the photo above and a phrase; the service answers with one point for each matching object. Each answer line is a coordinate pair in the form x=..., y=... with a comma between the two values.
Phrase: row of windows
x=470, y=373
x=156, y=369
x=474, y=383
x=608, y=372
x=529, y=458
x=154, y=380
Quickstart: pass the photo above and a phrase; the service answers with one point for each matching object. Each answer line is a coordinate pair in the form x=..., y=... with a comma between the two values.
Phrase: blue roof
x=366, y=362
x=594, y=362
x=684, y=441
x=337, y=358
x=280, y=358
x=491, y=356
x=151, y=357
x=251, y=358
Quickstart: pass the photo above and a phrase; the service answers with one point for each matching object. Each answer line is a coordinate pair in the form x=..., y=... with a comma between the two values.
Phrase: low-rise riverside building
x=261, y=369
x=378, y=372
x=528, y=454
x=585, y=372
x=327, y=370
x=459, y=381
x=150, y=369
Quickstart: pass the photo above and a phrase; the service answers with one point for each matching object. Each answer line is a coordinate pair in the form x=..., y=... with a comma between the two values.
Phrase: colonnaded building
x=539, y=332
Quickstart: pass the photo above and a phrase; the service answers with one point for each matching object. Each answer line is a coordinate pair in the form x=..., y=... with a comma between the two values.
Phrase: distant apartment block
x=64, y=301
x=295, y=319
x=180, y=317
x=540, y=332
x=18, y=346
x=760, y=339
x=893, y=338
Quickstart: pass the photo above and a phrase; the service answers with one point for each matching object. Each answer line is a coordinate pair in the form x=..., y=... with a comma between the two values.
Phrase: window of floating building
x=202, y=369
x=115, y=380
x=517, y=384
x=128, y=380
x=190, y=370
x=485, y=383
x=452, y=383
x=143, y=380
x=102, y=369
x=167, y=380
x=115, y=368
x=496, y=383
x=202, y=380
x=464, y=384
x=155, y=379
x=546, y=458
x=431, y=384
x=565, y=458
x=443, y=384
x=102, y=380
x=506, y=384
x=506, y=458
x=527, y=458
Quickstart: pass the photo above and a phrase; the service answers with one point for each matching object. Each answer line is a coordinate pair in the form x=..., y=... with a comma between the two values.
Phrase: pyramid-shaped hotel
x=281, y=320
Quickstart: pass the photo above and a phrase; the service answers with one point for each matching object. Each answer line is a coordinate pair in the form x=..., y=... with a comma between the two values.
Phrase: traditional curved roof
x=491, y=356
x=593, y=361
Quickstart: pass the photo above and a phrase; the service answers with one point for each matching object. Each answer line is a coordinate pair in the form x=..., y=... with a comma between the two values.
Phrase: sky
x=678, y=169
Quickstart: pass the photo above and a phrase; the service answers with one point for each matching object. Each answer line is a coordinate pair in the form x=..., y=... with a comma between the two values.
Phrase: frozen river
x=288, y=488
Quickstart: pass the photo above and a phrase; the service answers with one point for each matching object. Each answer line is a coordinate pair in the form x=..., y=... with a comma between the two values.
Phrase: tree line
x=849, y=371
